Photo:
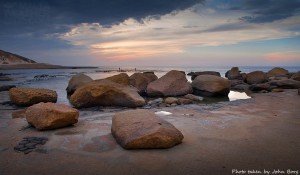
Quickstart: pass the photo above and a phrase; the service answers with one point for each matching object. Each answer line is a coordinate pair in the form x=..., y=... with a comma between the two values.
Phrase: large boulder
x=210, y=85
x=106, y=93
x=174, y=83
x=140, y=129
x=195, y=74
x=296, y=76
x=286, y=84
x=256, y=77
x=121, y=78
x=141, y=81
x=234, y=74
x=277, y=71
x=76, y=81
x=30, y=96
x=45, y=116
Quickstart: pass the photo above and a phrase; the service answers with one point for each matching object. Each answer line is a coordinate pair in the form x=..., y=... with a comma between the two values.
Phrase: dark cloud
x=267, y=10
x=17, y=16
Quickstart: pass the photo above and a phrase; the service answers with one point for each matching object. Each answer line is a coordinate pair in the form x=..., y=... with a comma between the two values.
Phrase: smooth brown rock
x=76, y=81
x=140, y=129
x=195, y=74
x=210, y=85
x=234, y=74
x=171, y=100
x=30, y=96
x=106, y=93
x=141, y=81
x=174, y=83
x=45, y=116
x=256, y=77
x=121, y=78
x=286, y=84
x=277, y=71
x=296, y=76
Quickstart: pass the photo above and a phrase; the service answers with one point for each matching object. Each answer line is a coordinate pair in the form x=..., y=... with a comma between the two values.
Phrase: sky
x=153, y=32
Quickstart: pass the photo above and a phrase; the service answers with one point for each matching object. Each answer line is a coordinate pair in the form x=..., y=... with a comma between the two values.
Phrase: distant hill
x=10, y=58
x=13, y=61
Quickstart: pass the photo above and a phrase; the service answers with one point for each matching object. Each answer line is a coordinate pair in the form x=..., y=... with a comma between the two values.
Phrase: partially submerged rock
x=256, y=77
x=30, y=96
x=210, y=85
x=174, y=83
x=141, y=81
x=140, y=129
x=76, y=81
x=45, y=116
x=106, y=93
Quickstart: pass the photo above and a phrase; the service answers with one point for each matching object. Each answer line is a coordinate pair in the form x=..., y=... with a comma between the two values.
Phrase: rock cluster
x=274, y=80
x=140, y=129
x=29, y=144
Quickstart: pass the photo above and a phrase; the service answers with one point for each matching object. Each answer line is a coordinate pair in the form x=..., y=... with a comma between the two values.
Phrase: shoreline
x=254, y=134
x=41, y=66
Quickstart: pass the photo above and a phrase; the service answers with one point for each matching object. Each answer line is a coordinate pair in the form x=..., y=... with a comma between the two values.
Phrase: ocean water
x=57, y=79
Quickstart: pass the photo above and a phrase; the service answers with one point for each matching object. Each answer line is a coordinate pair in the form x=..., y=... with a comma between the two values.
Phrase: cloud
x=49, y=16
x=283, y=56
x=193, y=27
x=262, y=11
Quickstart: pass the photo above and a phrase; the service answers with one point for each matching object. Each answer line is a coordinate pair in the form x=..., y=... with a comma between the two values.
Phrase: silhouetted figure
x=119, y=69
x=135, y=69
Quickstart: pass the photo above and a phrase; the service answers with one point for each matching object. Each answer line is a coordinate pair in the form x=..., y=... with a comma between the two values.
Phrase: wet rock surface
x=30, y=144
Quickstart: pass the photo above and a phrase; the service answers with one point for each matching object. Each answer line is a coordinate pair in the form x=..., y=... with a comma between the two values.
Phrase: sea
x=57, y=79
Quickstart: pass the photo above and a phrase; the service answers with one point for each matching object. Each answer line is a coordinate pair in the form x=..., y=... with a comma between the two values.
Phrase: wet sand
x=253, y=134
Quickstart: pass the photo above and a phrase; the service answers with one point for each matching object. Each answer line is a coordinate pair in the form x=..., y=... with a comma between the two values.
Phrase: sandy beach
x=257, y=134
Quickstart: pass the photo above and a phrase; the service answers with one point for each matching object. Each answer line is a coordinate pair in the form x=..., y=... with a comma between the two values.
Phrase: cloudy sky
x=153, y=32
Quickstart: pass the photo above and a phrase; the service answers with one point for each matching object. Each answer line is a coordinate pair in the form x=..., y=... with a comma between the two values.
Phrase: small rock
x=184, y=101
x=277, y=90
x=171, y=100
x=193, y=97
